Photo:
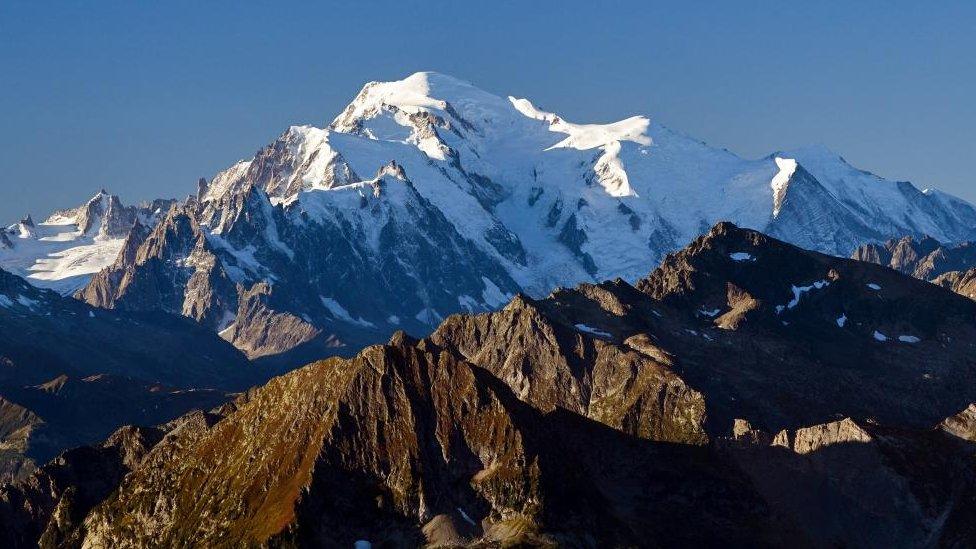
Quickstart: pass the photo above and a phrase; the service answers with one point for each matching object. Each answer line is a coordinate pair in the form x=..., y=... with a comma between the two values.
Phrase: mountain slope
x=73, y=373
x=406, y=435
x=739, y=395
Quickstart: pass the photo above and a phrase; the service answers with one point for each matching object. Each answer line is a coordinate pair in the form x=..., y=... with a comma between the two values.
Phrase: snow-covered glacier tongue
x=428, y=196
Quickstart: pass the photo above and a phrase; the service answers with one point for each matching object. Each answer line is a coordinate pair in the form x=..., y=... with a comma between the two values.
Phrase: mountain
x=71, y=373
x=62, y=252
x=746, y=393
x=952, y=266
x=428, y=196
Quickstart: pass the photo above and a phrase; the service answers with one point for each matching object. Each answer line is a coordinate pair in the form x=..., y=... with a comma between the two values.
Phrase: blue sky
x=144, y=99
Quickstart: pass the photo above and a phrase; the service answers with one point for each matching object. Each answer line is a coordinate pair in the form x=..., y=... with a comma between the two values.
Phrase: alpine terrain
x=951, y=266
x=746, y=392
x=428, y=196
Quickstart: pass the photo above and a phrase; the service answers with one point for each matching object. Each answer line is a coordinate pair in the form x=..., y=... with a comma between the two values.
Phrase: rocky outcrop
x=172, y=268
x=551, y=363
x=961, y=282
x=950, y=266
x=259, y=330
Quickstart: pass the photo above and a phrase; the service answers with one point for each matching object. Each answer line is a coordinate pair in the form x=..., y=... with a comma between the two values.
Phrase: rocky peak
x=202, y=186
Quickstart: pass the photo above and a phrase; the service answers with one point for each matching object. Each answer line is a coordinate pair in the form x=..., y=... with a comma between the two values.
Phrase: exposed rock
x=405, y=444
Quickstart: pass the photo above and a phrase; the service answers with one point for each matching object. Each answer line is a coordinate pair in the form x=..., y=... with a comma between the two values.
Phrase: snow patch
x=798, y=292
x=492, y=295
x=741, y=256
x=429, y=316
x=709, y=313
x=874, y=286
x=908, y=339
x=26, y=302
x=592, y=331
x=466, y=517
x=841, y=320
x=469, y=303
x=340, y=312
x=587, y=136
x=787, y=166
x=878, y=336
x=362, y=544
x=6, y=302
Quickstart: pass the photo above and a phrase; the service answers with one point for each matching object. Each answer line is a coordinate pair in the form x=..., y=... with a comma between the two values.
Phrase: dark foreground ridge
x=746, y=393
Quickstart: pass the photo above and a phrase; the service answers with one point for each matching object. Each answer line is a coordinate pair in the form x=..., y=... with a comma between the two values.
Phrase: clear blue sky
x=144, y=99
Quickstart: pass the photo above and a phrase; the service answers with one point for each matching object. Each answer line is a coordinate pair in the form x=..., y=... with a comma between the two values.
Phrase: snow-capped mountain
x=428, y=196
x=62, y=252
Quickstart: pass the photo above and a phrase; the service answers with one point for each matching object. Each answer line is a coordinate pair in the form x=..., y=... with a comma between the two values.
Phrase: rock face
x=745, y=393
x=428, y=196
x=925, y=258
x=950, y=266
x=403, y=442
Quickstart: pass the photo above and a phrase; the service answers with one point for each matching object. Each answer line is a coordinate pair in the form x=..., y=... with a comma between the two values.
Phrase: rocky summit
x=745, y=393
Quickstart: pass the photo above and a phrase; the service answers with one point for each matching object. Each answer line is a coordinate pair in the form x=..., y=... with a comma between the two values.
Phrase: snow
x=779, y=183
x=59, y=257
x=340, y=313
x=709, y=313
x=466, y=517
x=799, y=291
x=393, y=319
x=411, y=94
x=908, y=339
x=69, y=269
x=469, y=303
x=874, y=286
x=492, y=295
x=592, y=331
x=741, y=256
x=362, y=544
x=880, y=336
x=609, y=168
x=895, y=208
x=841, y=320
x=23, y=231
x=226, y=322
x=6, y=302
x=26, y=302
x=429, y=316
x=91, y=314
x=587, y=136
